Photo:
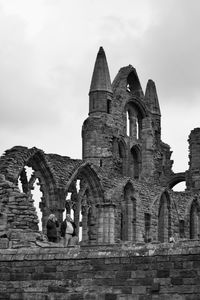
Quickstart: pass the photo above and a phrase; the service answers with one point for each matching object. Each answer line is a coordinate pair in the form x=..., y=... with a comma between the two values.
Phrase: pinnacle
x=101, y=76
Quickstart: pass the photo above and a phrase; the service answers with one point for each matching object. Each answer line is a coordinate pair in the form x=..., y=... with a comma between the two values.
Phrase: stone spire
x=101, y=76
x=151, y=98
x=100, y=94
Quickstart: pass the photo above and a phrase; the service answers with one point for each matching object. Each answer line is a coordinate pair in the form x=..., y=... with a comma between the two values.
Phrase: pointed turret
x=100, y=94
x=151, y=98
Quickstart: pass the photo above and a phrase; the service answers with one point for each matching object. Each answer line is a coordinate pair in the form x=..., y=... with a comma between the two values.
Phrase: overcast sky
x=47, y=53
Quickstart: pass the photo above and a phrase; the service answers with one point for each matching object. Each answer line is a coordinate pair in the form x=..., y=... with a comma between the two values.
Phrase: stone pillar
x=193, y=174
x=106, y=223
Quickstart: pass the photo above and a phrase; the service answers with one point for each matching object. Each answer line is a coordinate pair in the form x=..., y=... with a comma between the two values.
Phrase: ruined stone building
x=120, y=195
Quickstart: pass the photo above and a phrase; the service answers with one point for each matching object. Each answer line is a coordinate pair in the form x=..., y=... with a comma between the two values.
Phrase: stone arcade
x=121, y=197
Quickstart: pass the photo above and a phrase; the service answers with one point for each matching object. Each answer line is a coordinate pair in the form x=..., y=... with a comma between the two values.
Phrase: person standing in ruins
x=52, y=225
x=68, y=232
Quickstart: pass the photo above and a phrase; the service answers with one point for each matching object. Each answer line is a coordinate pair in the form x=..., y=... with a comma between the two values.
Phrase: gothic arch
x=164, y=218
x=87, y=171
x=41, y=171
x=120, y=154
x=135, y=111
x=16, y=159
x=86, y=193
x=175, y=179
x=135, y=162
x=133, y=84
x=128, y=214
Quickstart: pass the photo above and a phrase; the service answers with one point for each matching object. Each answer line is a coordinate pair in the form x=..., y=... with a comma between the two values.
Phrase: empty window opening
x=37, y=195
x=127, y=124
x=68, y=209
x=128, y=88
x=179, y=187
x=108, y=106
x=135, y=162
x=182, y=228
x=137, y=129
x=147, y=224
x=78, y=185
x=133, y=84
x=20, y=185
x=133, y=121
x=80, y=234
x=28, y=183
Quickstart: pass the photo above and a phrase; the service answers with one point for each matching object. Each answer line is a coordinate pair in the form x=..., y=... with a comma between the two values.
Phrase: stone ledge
x=104, y=251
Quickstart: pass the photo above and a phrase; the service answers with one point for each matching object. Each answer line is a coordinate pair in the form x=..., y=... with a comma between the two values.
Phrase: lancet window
x=119, y=153
x=135, y=162
x=80, y=205
x=128, y=215
x=30, y=182
x=133, y=120
x=164, y=219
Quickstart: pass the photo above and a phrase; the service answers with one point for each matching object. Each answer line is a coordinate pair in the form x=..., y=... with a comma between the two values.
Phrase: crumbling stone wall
x=154, y=271
x=18, y=216
x=119, y=194
x=193, y=174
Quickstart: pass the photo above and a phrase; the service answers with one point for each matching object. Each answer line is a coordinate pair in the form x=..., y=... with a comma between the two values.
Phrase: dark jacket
x=63, y=228
x=51, y=229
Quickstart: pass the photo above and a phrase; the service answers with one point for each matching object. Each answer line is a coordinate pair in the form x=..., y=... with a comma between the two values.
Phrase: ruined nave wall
x=153, y=271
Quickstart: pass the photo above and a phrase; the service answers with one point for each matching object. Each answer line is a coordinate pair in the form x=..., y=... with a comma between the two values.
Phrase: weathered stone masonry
x=120, y=194
x=122, y=272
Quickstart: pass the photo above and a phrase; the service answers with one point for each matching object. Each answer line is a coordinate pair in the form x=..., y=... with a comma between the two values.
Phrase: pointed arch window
x=30, y=183
x=133, y=121
x=82, y=209
x=120, y=154
x=86, y=193
x=135, y=162
x=147, y=226
x=164, y=219
x=128, y=215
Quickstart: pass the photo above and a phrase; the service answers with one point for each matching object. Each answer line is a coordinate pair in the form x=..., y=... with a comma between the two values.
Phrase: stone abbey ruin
x=138, y=239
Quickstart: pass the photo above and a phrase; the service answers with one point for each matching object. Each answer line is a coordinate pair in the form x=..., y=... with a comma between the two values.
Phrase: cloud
x=47, y=54
x=169, y=49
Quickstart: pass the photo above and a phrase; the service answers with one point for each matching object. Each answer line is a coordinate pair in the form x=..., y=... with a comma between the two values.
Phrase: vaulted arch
x=175, y=179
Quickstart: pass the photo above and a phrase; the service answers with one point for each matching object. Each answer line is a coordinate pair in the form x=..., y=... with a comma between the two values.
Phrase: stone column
x=193, y=174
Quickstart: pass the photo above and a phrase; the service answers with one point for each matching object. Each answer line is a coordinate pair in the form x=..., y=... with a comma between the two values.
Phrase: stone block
x=4, y=243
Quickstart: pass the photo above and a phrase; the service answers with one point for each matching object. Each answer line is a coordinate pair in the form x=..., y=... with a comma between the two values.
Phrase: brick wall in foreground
x=154, y=271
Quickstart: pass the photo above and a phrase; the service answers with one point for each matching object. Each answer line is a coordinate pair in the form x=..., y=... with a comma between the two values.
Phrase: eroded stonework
x=121, y=190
